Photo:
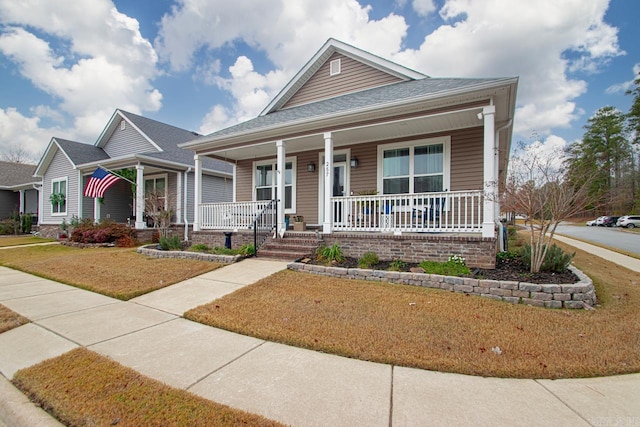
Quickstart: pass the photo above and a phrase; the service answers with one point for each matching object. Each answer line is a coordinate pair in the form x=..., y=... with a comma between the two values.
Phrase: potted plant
x=298, y=223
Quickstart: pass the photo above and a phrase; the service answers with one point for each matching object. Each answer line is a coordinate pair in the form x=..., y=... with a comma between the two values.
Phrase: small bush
x=330, y=254
x=247, y=250
x=507, y=256
x=368, y=260
x=556, y=260
x=171, y=243
x=200, y=247
x=127, y=242
x=105, y=232
x=26, y=222
x=397, y=265
x=455, y=266
x=219, y=250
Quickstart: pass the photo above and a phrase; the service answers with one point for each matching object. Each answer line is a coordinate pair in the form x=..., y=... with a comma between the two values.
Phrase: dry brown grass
x=10, y=319
x=439, y=330
x=82, y=388
x=117, y=272
x=21, y=240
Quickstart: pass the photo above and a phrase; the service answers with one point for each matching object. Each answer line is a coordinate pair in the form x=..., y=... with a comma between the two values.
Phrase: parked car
x=629, y=221
x=596, y=221
x=600, y=220
x=591, y=222
x=610, y=221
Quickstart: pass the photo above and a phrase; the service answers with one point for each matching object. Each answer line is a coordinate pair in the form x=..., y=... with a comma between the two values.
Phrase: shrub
x=506, y=256
x=127, y=242
x=455, y=266
x=330, y=254
x=26, y=222
x=105, y=232
x=200, y=247
x=247, y=250
x=556, y=260
x=397, y=265
x=368, y=260
x=172, y=243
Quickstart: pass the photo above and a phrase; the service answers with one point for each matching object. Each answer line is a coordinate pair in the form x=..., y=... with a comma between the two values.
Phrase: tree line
x=609, y=157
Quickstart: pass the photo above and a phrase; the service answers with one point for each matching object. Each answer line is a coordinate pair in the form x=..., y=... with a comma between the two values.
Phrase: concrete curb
x=16, y=410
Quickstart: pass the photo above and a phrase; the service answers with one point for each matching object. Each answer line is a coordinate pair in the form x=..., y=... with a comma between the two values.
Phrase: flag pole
x=116, y=174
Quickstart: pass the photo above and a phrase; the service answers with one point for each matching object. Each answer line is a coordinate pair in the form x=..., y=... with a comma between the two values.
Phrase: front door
x=339, y=180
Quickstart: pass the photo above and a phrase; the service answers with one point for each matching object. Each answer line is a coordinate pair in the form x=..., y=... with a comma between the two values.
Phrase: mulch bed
x=506, y=270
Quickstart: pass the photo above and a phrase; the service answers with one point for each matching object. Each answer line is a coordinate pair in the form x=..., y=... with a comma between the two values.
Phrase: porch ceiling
x=380, y=131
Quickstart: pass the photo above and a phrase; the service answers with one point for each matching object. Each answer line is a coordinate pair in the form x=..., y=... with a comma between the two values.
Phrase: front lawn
x=10, y=319
x=82, y=388
x=116, y=272
x=442, y=331
x=6, y=241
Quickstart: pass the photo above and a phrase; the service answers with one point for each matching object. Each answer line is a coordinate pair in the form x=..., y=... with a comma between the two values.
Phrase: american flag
x=99, y=182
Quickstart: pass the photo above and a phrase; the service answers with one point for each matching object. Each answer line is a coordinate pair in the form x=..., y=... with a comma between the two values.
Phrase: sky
x=202, y=65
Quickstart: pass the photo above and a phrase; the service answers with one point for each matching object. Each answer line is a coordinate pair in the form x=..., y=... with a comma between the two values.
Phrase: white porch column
x=140, y=223
x=22, y=207
x=327, y=223
x=281, y=150
x=197, y=191
x=80, y=194
x=490, y=178
x=179, y=198
x=96, y=210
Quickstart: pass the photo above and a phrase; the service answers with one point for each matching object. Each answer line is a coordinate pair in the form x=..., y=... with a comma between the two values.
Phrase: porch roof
x=415, y=100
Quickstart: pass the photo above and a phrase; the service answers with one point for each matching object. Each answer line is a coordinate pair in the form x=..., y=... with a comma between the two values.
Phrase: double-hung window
x=155, y=190
x=59, y=196
x=266, y=181
x=414, y=167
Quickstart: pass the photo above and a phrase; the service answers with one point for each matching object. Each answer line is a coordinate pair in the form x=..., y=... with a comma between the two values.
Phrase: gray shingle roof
x=81, y=153
x=378, y=96
x=12, y=174
x=168, y=137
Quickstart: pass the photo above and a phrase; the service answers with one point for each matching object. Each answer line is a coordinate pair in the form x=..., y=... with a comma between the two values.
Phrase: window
x=59, y=196
x=155, y=191
x=335, y=67
x=416, y=167
x=265, y=182
x=123, y=125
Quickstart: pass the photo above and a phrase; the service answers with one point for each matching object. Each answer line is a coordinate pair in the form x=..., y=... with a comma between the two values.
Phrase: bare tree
x=537, y=188
x=17, y=155
x=158, y=206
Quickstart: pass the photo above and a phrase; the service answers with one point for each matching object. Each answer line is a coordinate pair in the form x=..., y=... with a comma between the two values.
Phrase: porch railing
x=230, y=216
x=452, y=211
x=265, y=224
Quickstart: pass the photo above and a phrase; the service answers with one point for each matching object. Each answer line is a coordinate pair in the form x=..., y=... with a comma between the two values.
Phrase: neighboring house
x=18, y=189
x=377, y=156
x=129, y=141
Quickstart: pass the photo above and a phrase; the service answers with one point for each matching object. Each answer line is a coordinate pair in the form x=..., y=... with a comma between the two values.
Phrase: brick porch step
x=292, y=246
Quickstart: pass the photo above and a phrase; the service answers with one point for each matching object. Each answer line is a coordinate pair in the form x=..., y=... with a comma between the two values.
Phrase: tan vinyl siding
x=307, y=187
x=127, y=141
x=467, y=159
x=244, y=184
x=354, y=76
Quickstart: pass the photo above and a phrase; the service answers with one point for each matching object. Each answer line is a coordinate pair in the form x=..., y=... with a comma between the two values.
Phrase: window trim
x=335, y=67
x=274, y=164
x=64, y=179
x=411, y=145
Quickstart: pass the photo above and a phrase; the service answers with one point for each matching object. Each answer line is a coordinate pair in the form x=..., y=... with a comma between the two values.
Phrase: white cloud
x=19, y=132
x=625, y=86
x=424, y=7
x=87, y=56
x=531, y=40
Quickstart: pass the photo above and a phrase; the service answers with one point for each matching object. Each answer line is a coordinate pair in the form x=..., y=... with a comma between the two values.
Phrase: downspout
x=501, y=230
x=185, y=187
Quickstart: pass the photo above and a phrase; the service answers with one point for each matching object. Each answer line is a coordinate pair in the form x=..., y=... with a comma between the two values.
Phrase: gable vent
x=123, y=125
x=334, y=67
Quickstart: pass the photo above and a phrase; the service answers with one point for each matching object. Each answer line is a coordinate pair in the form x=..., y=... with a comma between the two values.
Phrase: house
x=147, y=148
x=376, y=157
x=18, y=189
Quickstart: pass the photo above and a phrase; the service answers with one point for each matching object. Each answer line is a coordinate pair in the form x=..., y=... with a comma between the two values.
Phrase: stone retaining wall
x=575, y=295
x=199, y=256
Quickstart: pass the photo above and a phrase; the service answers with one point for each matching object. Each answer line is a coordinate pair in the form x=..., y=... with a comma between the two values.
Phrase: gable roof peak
x=330, y=47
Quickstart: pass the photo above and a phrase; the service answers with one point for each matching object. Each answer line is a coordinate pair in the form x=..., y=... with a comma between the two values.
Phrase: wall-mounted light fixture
x=311, y=167
x=480, y=116
x=354, y=162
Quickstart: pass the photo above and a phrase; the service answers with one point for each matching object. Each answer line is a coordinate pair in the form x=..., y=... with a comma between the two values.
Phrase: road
x=609, y=236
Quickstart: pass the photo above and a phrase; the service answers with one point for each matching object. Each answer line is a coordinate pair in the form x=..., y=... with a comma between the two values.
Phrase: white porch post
x=178, y=198
x=21, y=209
x=281, y=150
x=328, y=182
x=96, y=210
x=140, y=223
x=490, y=178
x=80, y=194
x=197, y=192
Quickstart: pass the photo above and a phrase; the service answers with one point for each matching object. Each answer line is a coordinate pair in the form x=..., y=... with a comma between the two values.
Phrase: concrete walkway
x=291, y=385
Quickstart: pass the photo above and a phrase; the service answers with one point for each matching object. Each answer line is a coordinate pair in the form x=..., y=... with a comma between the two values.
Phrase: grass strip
x=116, y=272
x=439, y=330
x=10, y=319
x=83, y=388
x=6, y=241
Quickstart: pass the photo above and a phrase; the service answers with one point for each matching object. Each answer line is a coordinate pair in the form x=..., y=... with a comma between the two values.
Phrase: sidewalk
x=288, y=384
